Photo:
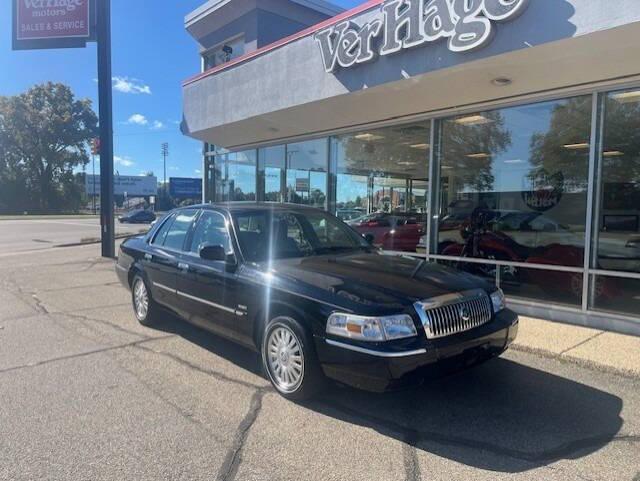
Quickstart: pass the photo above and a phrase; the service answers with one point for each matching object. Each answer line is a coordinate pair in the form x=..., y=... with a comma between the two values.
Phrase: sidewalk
x=616, y=353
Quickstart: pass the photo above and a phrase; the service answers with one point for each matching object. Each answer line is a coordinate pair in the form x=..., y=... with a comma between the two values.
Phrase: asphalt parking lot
x=20, y=235
x=87, y=393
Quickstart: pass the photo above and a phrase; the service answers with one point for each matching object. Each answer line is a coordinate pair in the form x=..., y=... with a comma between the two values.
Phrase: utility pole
x=105, y=95
x=165, y=154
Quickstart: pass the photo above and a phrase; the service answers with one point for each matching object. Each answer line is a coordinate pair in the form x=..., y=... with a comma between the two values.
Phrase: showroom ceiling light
x=501, y=81
x=514, y=161
x=612, y=153
x=473, y=120
x=369, y=137
x=407, y=163
x=627, y=97
x=420, y=146
x=579, y=146
x=479, y=155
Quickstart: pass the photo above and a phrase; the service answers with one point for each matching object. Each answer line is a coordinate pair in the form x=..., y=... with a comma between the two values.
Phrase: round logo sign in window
x=542, y=192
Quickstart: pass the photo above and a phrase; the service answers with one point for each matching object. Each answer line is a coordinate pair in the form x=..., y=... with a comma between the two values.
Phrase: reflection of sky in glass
x=510, y=167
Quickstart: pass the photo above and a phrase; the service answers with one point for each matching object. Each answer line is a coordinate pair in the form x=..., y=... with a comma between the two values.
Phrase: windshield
x=290, y=234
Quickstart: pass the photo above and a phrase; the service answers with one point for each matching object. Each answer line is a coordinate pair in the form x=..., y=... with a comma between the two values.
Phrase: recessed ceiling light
x=612, y=153
x=514, y=161
x=580, y=146
x=473, y=120
x=407, y=163
x=479, y=155
x=501, y=81
x=627, y=97
x=420, y=146
x=369, y=137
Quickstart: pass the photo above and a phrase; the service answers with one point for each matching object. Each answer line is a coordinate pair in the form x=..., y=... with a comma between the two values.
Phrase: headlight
x=361, y=328
x=497, y=299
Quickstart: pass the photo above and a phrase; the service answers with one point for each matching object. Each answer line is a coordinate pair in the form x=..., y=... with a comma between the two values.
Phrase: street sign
x=127, y=185
x=302, y=184
x=40, y=24
x=185, y=187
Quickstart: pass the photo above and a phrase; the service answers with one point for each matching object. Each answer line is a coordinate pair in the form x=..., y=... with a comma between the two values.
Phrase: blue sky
x=151, y=55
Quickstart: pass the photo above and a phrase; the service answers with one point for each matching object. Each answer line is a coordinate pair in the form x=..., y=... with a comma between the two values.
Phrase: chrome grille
x=454, y=313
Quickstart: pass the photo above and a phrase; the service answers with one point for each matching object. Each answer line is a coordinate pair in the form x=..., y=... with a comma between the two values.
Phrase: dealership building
x=498, y=136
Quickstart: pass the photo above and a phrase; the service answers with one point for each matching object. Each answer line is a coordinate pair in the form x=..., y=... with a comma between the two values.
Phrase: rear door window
x=161, y=235
x=177, y=233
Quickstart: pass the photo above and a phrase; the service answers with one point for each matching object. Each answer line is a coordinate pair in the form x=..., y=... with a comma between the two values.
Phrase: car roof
x=235, y=207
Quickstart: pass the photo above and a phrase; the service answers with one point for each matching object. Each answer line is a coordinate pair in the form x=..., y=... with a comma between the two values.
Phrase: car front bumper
x=376, y=370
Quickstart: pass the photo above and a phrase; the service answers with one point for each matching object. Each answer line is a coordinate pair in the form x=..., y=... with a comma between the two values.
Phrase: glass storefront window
x=618, y=239
x=235, y=176
x=307, y=164
x=614, y=294
x=551, y=287
x=382, y=183
x=514, y=183
x=272, y=171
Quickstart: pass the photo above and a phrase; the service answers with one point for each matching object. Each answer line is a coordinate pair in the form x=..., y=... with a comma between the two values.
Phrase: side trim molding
x=372, y=352
x=164, y=288
x=209, y=303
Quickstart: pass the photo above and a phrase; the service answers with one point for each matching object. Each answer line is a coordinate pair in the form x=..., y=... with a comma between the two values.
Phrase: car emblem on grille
x=465, y=315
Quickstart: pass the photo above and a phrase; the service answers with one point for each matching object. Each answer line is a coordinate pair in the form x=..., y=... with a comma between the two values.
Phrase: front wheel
x=289, y=359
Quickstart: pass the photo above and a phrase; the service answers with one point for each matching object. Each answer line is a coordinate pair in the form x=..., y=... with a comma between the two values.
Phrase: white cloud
x=123, y=161
x=138, y=119
x=128, y=85
x=174, y=168
x=198, y=171
x=157, y=125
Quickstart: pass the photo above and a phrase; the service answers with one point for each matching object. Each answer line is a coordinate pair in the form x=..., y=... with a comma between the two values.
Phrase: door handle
x=183, y=266
x=148, y=257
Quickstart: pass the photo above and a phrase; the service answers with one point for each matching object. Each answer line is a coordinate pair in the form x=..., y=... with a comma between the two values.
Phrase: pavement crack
x=81, y=354
x=117, y=327
x=209, y=372
x=589, y=339
x=233, y=459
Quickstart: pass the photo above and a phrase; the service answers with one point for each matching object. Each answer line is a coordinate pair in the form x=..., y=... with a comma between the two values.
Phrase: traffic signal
x=95, y=147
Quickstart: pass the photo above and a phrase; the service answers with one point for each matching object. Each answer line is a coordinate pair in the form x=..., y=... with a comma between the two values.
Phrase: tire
x=290, y=361
x=144, y=307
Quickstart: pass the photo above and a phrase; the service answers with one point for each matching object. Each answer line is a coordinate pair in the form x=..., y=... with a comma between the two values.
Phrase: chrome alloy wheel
x=285, y=359
x=141, y=299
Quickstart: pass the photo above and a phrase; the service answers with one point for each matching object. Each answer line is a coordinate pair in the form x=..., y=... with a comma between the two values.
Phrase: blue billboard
x=185, y=187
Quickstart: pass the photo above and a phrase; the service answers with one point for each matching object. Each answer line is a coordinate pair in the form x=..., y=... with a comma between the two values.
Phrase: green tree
x=44, y=136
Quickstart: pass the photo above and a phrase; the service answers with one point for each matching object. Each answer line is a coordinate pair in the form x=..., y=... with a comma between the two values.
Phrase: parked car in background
x=312, y=297
x=348, y=214
x=139, y=216
x=393, y=232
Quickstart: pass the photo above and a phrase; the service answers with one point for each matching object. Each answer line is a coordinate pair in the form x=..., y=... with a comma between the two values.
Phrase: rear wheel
x=289, y=359
x=144, y=307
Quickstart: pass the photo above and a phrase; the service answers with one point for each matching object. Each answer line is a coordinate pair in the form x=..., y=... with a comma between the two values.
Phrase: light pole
x=165, y=154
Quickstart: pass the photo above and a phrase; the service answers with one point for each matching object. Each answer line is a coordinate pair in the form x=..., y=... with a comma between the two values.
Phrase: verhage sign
x=402, y=24
x=49, y=19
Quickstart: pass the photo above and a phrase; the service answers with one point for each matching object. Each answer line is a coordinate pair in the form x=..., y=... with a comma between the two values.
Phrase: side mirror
x=369, y=238
x=213, y=253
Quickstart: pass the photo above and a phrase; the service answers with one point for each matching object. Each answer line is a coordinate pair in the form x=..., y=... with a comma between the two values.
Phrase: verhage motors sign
x=402, y=24
x=131, y=185
x=52, y=19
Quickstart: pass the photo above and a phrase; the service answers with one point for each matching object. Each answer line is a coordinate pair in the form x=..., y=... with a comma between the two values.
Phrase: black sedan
x=141, y=216
x=312, y=296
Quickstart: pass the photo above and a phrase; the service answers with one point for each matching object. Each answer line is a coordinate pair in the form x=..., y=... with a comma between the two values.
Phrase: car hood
x=370, y=280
